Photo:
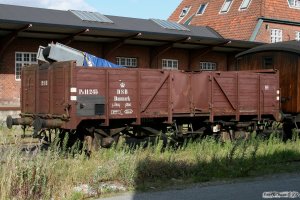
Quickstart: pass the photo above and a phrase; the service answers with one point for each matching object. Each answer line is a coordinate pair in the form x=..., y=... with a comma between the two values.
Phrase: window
x=185, y=11
x=245, y=4
x=226, y=6
x=208, y=66
x=23, y=59
x=297, y=36
x=276, y=35
x=169, y=64
x=202, y=9
x=294, y=3
x=267, y=63
x=91, y=16
x=127, y=62
x=170, y=25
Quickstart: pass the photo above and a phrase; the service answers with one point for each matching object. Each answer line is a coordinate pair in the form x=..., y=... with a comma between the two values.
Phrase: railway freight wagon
x=102, y=103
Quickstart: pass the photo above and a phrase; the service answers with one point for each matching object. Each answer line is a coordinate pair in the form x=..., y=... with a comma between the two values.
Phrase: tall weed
x=54, y=174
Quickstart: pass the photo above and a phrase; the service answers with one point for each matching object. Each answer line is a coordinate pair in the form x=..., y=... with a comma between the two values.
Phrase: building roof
x=57, y=25
x=288, y=46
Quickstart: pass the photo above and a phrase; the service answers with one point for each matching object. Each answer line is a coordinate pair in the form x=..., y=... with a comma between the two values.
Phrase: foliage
x=54, y=173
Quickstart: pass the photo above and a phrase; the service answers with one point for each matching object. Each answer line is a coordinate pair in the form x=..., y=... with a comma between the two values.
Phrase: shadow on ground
x=241, y=161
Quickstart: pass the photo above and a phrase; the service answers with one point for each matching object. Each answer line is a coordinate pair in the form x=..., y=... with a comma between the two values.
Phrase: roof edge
x=215, y=32
x=272, y=47
x=280, y=21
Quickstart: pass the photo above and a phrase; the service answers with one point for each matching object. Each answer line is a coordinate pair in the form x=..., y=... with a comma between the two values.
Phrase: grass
x=14, y=135
x=53, y=174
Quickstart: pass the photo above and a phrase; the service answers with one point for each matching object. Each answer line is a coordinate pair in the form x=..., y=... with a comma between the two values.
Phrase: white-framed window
x=202, y=8
x=297, y=36
x=208, y=66
x=169, y=64
x=245, y=4
x=294, y=3
x=276, y=35
x=126, y=61
x=185, y=11
x=23, y=59
x=226, y=6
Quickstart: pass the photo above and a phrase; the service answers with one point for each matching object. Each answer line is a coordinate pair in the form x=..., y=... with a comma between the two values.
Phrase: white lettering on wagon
x=116, y=98
x=128, y=111
x=122, y=101
x=116, y=105
x=88, y=92
x=267, y=87
x=116, y=112
x=127, y=105
x=44, y=82
x=122, y=91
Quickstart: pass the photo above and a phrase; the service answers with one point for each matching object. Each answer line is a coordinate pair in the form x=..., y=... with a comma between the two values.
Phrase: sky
x=160, y=9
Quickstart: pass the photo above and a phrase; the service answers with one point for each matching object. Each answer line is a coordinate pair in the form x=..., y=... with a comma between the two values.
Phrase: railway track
x=21, y=143
x=27, y=147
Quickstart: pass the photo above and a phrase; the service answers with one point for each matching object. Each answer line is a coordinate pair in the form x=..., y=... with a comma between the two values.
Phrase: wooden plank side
x=61, y=73
x=224, y=92
x=154, y=93
x=201, y=93
x=270, y=96
x=28, y=92
x=122, y=100
x=287, y=64
x=298, y=83
x=43, y=85
x=248, y=93
x=181, y=92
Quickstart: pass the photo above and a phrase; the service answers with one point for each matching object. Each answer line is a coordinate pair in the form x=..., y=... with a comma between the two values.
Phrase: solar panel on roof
x=91, y=16
x=170, y=25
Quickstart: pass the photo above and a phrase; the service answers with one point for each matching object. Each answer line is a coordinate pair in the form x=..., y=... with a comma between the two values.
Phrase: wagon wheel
x=99, y=139
x=65, y=138
x=106, y=138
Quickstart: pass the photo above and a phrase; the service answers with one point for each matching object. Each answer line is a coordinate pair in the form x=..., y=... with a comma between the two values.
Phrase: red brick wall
x=92, y=48
x=143, y=54
x=9, y=91
x=279, y=9
x=288, y=32
x=140, y=52
x=215, y=57
x=10, y=88
x=22, y=45
x=240, y=24
x=183, y=58
x=178, y=54
x=233, y=24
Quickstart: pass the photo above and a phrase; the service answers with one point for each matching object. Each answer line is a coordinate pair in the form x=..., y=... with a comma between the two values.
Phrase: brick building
x=252, y=20
x=144, y=43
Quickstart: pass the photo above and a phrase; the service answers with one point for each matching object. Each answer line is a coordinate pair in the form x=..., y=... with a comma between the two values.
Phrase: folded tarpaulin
x=93, y=61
